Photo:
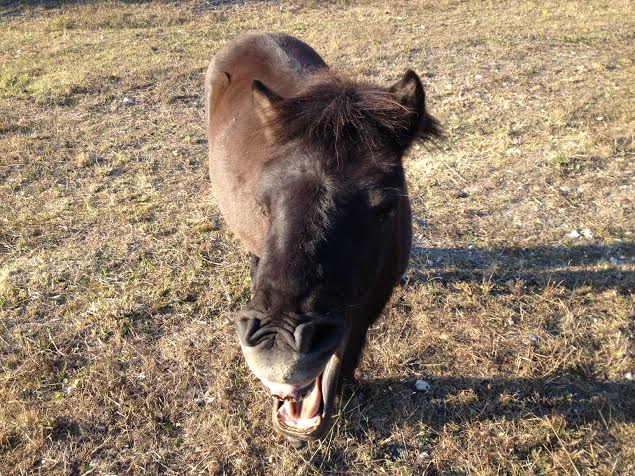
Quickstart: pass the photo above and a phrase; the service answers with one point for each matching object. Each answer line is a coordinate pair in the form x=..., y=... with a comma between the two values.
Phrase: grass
x=119, y=279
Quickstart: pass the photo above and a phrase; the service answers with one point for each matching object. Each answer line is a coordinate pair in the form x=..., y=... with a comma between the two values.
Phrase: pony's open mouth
x=306, y=417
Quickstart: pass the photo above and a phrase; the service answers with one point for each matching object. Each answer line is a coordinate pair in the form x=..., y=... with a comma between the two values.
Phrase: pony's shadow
x=385, y=402
x=380, y=406
x=598, y=266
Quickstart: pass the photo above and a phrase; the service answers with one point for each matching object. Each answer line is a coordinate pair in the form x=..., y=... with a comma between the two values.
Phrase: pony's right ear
x=264, y=101
x=419, y=125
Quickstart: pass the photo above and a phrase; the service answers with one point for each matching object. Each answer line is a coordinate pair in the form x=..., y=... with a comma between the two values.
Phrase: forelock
x=340, y=117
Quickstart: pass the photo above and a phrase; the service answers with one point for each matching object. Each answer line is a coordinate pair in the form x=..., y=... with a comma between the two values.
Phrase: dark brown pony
x=307, y=169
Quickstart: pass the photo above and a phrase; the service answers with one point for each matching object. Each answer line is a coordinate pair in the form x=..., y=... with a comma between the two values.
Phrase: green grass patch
x=568, y=164
x=586, y=39
x=16, y=85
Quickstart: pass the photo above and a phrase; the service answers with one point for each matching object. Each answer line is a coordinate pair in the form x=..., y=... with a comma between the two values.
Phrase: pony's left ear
x=419, y=124
x=264, y=100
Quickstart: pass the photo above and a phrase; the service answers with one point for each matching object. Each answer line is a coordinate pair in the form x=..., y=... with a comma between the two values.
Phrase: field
x=119, y=279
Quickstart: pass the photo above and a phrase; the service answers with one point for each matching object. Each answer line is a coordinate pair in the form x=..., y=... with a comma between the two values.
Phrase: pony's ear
x=409, y=91
x=264, y=100
x=214, y=87
x=419, y=125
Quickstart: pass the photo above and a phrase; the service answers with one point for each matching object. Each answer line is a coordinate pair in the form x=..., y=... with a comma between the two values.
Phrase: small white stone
x=423, y=386
x=128, y=101
x=534, y=339
x=628, y=376
x=208, y=397
x=587, y=233
x=574, y=234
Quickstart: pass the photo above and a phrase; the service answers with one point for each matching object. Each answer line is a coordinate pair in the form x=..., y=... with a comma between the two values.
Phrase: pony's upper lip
x=289, y=392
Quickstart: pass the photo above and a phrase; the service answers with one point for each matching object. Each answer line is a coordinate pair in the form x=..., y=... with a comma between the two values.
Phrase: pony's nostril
x=247, y=326
x=317, y=336
x=304, y=337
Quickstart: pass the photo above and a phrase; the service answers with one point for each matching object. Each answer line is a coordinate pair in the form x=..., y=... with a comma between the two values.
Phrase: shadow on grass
x=468, y=399
x=49, y=4
x=378, y=407
x=537, y=266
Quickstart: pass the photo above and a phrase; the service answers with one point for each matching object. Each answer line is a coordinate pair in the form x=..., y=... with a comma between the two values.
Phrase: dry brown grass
x=118, y=278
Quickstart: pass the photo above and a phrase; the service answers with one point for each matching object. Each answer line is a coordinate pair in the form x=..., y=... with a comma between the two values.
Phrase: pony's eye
x=263, y=209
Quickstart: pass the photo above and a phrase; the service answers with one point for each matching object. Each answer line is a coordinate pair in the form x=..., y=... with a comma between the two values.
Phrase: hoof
x=296, y=443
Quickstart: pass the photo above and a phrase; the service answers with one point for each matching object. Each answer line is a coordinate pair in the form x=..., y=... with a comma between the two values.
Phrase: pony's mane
x=342, y=116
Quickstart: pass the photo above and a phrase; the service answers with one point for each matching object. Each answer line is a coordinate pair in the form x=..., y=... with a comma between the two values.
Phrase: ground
x=119, y=279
